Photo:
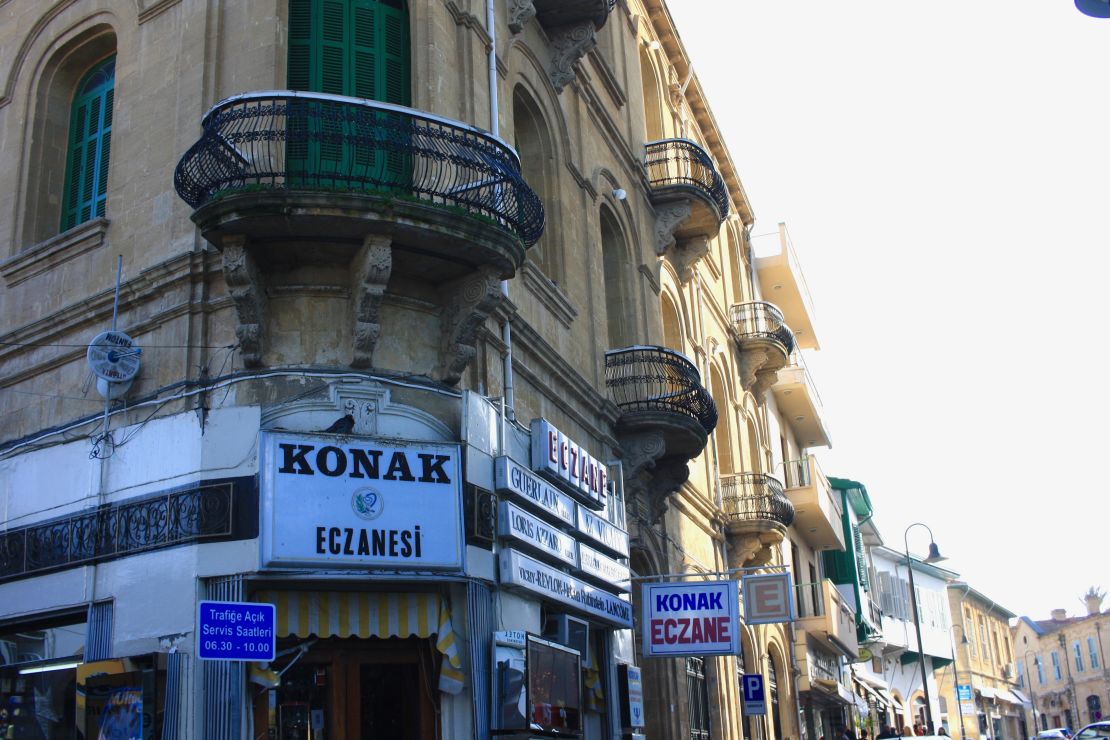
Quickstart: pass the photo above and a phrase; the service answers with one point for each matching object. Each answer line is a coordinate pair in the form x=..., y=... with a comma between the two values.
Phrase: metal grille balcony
x=296, y=141
x=681, y=162
x=645, y=378
x=761, y=320
x=755, y=497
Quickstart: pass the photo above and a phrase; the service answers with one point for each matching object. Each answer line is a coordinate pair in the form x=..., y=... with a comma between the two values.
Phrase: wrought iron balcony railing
x=797, y=473
x=755, y=497
x=285, y=140
x=683, y=162
x=762, y=320
x=644, y=378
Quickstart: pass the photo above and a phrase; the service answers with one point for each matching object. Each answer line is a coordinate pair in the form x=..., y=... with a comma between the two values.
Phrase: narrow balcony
x=335, y=214
x=818, y=513
x=765, y=342
x=797, y=398
x=825, y=616
x=690, y=200
x=561, y=13
x=757, y=515
x=781, y=279
x=666, y=416
x=292, y=170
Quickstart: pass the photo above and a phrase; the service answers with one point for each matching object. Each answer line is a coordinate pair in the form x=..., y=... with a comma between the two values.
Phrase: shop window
x=38, y=678
x=90, y=132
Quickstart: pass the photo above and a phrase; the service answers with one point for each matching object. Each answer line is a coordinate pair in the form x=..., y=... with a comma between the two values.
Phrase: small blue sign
x=751, y=684
x=963, y=691
x=234, y=630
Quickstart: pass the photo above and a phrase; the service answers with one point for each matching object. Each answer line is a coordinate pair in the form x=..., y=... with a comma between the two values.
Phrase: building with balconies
x=1060, y=666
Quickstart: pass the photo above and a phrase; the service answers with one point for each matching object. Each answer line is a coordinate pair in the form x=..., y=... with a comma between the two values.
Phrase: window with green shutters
x=90, y=133
x=357, y=48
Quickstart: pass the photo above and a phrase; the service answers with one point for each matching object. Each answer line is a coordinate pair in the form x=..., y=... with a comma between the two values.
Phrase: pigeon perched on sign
x=342, y=425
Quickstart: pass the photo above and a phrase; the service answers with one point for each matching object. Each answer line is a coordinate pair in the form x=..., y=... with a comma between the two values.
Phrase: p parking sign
x=755, y=704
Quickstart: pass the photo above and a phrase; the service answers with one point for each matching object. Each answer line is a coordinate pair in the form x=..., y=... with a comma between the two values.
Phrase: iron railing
x=198, y=513
x=285, y=140
x=645, y=378
x=762, y=320
x=809, y=599
x=796, y=473
x=683, y=162
x=755, y=497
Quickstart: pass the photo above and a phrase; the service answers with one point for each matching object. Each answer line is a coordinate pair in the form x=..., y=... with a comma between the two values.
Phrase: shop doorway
x=353, y=689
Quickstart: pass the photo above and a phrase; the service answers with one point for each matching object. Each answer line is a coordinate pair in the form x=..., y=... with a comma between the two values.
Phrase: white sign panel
x=532, y=490
x=690, y=619
x=560, y=458
x=768, y=598
x=517, y=524
x=360, y=503
x=593, y=563
x=517, y=569
x=598, y=529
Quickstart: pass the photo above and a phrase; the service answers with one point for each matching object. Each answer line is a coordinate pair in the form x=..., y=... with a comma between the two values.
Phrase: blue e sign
x=232, y=630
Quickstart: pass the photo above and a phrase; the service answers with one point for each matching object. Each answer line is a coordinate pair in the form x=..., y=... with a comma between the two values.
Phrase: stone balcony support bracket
x=247, y=287
x=648, y=473
x=520, y=12
x=667, y=220
x=370, y=271
x=568, y=45
x=468, y=302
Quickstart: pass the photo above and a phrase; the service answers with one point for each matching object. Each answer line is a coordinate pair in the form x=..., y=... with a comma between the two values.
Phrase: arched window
x=350, y=47
x=89, y=149
x=773, y=698
x=653, y=107
x=619, y=312
x=532, y=139
x=672, y=326
x=723, y=431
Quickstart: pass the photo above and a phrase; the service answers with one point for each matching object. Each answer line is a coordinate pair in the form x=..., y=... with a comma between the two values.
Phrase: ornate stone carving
x=364, y=403
x=520, y=12
x=667, y=220
x=568, y=45
x=467, y=304
x=648, y=474
x=687, y=254
x=751, y=360
x=750, y=550
x=248, y=291
x=641, y=450
x=370, y=270
x=764, y=379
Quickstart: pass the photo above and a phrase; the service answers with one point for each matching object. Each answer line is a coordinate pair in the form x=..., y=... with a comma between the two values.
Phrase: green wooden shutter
x=861, y=564
x=85, y=196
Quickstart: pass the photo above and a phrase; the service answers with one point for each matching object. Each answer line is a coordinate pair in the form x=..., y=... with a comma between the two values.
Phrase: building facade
x=1061, y=666
x=982, y=685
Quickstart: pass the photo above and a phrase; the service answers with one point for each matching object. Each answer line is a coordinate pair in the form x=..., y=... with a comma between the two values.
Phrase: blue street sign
x=752, y=686
x=963, y=691
x=233, y=630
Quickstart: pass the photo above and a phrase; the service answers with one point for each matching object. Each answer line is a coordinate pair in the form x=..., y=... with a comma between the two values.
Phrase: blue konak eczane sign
x=233, y=630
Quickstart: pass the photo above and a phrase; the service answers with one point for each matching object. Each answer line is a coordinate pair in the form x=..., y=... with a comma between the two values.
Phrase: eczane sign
x=690, y=619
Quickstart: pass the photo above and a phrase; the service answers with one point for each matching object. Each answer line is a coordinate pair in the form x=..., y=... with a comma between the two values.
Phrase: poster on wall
x=358, y=502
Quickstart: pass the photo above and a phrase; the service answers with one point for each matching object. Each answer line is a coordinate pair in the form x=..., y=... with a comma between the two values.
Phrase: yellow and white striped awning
x=361, y=614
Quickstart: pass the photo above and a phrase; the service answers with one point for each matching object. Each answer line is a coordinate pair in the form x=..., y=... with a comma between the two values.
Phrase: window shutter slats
x=86, y=178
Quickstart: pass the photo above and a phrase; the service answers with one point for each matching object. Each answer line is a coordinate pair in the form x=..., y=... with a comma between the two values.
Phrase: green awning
x=857, y=496
x=910, y=656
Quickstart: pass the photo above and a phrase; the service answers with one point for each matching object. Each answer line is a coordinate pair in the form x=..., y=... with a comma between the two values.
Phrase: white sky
x=943, y=168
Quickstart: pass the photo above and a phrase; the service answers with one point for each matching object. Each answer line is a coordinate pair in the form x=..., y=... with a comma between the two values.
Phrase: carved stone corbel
x=667, y=220
x=568, y=45
x=764, y=379
x=752, y=359
x=520, y=12
x=686, y=255
x=749, y=550
x=370, y=270
x=247, y=287
x=641, y=450
x=666, y=477
x=467, y=304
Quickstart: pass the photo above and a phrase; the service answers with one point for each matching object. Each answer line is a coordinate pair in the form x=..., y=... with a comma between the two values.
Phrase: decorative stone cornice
x=568, y=45
x=246, y=285
x=467, y=304
x=370, y=270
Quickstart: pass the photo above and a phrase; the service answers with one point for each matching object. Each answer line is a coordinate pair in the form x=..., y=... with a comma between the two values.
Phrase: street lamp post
x=956, y=675
x=933, y=557
x=1074, y=700
x=1033, y=694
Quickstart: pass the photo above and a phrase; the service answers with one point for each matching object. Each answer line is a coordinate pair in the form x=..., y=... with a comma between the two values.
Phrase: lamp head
x=934, y=554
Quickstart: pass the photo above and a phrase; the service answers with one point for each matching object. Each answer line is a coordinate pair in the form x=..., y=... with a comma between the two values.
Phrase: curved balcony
x=290, y=169
x=757, y=514
x=764, y=339
x=559, y=13
x=683, y=177
x=748, y=498
x=660, y=387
